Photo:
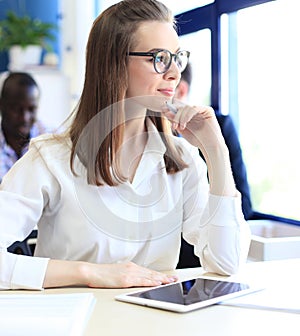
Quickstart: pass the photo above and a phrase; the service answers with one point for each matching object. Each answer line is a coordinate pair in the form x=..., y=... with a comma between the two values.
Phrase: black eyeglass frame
x=154, y=55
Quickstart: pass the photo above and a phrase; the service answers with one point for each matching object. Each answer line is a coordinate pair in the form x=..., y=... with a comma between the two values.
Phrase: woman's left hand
x=198, y=125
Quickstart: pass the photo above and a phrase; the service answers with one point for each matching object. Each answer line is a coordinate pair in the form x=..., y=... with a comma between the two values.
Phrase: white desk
x=111, y=318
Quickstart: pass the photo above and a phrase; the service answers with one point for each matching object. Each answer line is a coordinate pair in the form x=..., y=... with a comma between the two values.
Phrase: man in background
x=187, y=257
x=18, y=106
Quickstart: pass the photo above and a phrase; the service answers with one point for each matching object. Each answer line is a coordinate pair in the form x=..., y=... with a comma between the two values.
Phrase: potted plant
x=24, y=38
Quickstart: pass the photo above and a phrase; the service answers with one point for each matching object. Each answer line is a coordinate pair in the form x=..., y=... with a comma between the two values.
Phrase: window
x=199, y=44
x=264, y=89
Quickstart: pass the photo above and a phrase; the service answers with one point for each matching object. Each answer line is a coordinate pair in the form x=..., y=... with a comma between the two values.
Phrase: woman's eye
x=160, y=59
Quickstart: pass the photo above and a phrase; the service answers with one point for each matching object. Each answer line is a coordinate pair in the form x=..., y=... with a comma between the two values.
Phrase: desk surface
x=111, y=317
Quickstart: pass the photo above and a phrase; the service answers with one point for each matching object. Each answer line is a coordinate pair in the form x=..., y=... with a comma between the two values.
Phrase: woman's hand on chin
x=197, y=124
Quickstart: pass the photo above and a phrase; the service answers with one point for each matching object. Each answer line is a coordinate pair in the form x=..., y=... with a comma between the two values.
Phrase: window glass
x=199, y=44
x=266, y=93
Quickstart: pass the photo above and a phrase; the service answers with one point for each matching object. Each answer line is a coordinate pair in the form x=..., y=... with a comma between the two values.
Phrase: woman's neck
x=134, y=142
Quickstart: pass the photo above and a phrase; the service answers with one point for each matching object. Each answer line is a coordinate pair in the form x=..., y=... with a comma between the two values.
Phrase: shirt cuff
x=29, y=272
x=221, y=207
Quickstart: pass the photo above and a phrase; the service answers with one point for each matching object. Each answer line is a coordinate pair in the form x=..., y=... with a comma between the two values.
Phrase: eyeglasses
x=162, y=59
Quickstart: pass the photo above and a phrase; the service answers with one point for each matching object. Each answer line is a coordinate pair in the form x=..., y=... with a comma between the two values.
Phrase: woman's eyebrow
x=157, y=49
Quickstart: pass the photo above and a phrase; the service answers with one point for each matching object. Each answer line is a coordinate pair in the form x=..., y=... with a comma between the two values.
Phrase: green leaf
x=24, y=31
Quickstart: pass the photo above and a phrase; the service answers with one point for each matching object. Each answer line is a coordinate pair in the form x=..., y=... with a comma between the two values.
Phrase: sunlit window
x=267, y=91
x=199, y=44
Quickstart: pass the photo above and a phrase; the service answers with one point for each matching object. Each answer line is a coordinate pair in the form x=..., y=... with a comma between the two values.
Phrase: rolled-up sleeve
x=224, y=239
x=215, y=225
x=21, y=272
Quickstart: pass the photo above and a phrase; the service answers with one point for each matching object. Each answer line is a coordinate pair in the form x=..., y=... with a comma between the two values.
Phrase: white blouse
x=140, y=221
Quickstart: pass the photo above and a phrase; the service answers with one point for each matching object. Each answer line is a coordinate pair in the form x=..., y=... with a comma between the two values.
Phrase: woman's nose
x=173, y=72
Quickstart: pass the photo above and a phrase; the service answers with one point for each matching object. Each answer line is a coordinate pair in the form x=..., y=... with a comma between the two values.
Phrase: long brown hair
x=106, y=79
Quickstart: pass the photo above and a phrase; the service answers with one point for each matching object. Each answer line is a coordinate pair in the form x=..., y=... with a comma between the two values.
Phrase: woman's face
x=152, y=88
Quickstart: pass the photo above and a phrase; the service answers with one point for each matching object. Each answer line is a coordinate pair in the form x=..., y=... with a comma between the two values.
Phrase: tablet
x=188, y=295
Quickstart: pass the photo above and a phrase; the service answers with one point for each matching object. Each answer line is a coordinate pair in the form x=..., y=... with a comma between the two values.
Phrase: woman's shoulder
x=51, y=143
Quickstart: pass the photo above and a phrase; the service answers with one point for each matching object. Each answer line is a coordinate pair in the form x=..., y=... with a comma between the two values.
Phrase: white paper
x=276, y=298
x=47, y=315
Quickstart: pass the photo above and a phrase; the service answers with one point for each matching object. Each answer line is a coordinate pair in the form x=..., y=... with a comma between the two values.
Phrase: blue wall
x=47, y=11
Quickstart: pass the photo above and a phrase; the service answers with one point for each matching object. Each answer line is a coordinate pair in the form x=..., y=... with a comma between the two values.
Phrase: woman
x=112, y=197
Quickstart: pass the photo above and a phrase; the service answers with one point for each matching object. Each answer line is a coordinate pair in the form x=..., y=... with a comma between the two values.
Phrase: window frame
x=209, y=16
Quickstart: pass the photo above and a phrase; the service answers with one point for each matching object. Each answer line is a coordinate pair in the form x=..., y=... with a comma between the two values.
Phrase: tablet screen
x=191, y=291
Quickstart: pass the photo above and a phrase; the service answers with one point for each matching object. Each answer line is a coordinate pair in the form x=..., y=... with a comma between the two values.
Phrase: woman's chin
x=153, y=103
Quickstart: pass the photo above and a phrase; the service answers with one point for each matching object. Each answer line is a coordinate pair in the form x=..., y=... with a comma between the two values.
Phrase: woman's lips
x=167, y=92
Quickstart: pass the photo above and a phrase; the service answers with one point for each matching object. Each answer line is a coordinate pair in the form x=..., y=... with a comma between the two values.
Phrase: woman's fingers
x=140, y=276
x=185, y=114
x=124, y=275
x=197, y=124
x=180, y=118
